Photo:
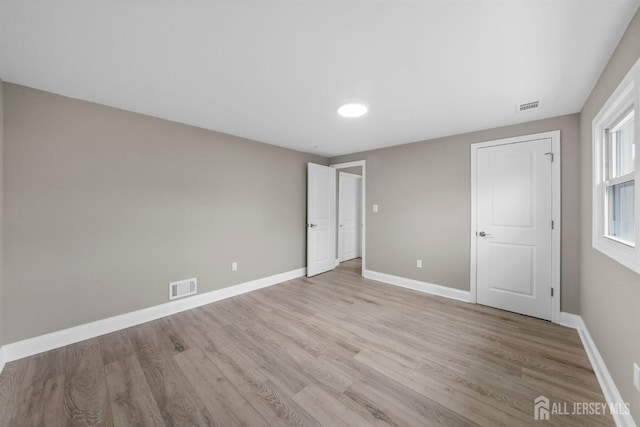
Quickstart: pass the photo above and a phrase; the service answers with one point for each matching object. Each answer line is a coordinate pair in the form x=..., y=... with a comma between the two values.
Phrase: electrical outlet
x=234, y=266
x=418, y=263
x=636, y=376
x=375, y=208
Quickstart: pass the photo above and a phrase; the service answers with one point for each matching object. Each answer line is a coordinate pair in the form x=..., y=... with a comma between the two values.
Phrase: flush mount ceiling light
x=352, y=110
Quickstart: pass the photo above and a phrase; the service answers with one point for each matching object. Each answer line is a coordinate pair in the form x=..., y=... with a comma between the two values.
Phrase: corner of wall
x=609, y=292
x=1, y=227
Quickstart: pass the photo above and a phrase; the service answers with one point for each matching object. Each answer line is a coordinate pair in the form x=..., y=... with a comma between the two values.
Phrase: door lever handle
x=312, y=225
x=482, y=234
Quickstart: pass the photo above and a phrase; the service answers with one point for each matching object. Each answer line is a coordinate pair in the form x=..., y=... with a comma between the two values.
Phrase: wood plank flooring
x=333, y=350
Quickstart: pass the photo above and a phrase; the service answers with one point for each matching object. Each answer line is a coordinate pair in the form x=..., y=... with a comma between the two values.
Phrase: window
x=616, y=197
x=619, y=180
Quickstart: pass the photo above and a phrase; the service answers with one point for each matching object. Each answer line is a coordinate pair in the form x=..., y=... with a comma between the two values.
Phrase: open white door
x=349, y=216
x=321, y=219
x=514, y=227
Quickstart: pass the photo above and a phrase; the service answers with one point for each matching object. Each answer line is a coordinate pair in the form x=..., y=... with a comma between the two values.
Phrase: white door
x=321, y=219
x=349, y=216
x=514, y=229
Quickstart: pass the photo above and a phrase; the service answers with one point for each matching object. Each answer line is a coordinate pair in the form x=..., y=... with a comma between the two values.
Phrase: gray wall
x=424, y=194
x=1, y=211
x=610, y=293
x=105, y=207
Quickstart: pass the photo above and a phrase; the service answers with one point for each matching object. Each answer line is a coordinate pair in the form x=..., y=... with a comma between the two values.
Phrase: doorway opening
x=350, y=213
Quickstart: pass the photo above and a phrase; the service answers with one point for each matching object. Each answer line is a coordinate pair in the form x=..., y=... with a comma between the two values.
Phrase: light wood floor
x=334, y=350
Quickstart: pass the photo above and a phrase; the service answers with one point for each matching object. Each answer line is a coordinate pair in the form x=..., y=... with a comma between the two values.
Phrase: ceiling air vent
x=183, y=288
x=528, y=106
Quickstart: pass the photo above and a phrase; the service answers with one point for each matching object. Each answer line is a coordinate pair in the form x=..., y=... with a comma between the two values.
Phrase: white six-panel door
x=321, y=219
x=349, y=216
x=514, y=228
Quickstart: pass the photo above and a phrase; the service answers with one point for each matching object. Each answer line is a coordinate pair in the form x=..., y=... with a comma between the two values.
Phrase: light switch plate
x=418, y=263
x=375, y=208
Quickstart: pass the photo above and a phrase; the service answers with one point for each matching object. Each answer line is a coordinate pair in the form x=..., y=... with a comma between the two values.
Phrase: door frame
x=556, y=213
x=338, y=198
x=363, y=235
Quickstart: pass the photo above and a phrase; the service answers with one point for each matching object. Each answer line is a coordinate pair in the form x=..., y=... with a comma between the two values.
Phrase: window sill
x=620, y=252
x=620, y=241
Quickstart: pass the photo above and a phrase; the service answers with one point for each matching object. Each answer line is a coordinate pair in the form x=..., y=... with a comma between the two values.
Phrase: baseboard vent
x=183, y=288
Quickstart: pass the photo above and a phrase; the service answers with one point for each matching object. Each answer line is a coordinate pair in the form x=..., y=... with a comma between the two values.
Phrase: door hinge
x=551, y=291
x=550, y=153
x=553, y=225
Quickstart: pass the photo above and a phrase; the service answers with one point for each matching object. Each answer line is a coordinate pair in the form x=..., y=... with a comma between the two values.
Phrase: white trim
x=556, y=235
x=626, y=94
x=39, y=344
x=609, y=389
x=571, y=320
x=348, y=164
x=417, y=285
x=2, y=359
x=473, y=293
x=363, y=248
x=351, y=175
x=556, y=213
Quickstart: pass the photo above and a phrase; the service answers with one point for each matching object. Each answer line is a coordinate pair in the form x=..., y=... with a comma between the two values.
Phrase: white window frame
x=624, y=98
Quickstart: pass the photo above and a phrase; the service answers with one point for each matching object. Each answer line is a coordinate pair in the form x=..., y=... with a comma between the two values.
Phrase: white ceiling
x=276, y=71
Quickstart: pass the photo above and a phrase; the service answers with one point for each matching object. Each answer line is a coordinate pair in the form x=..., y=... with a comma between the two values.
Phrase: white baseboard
x=571, y=320
x=31, y=346
x=417, y=285
x=609, y=389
